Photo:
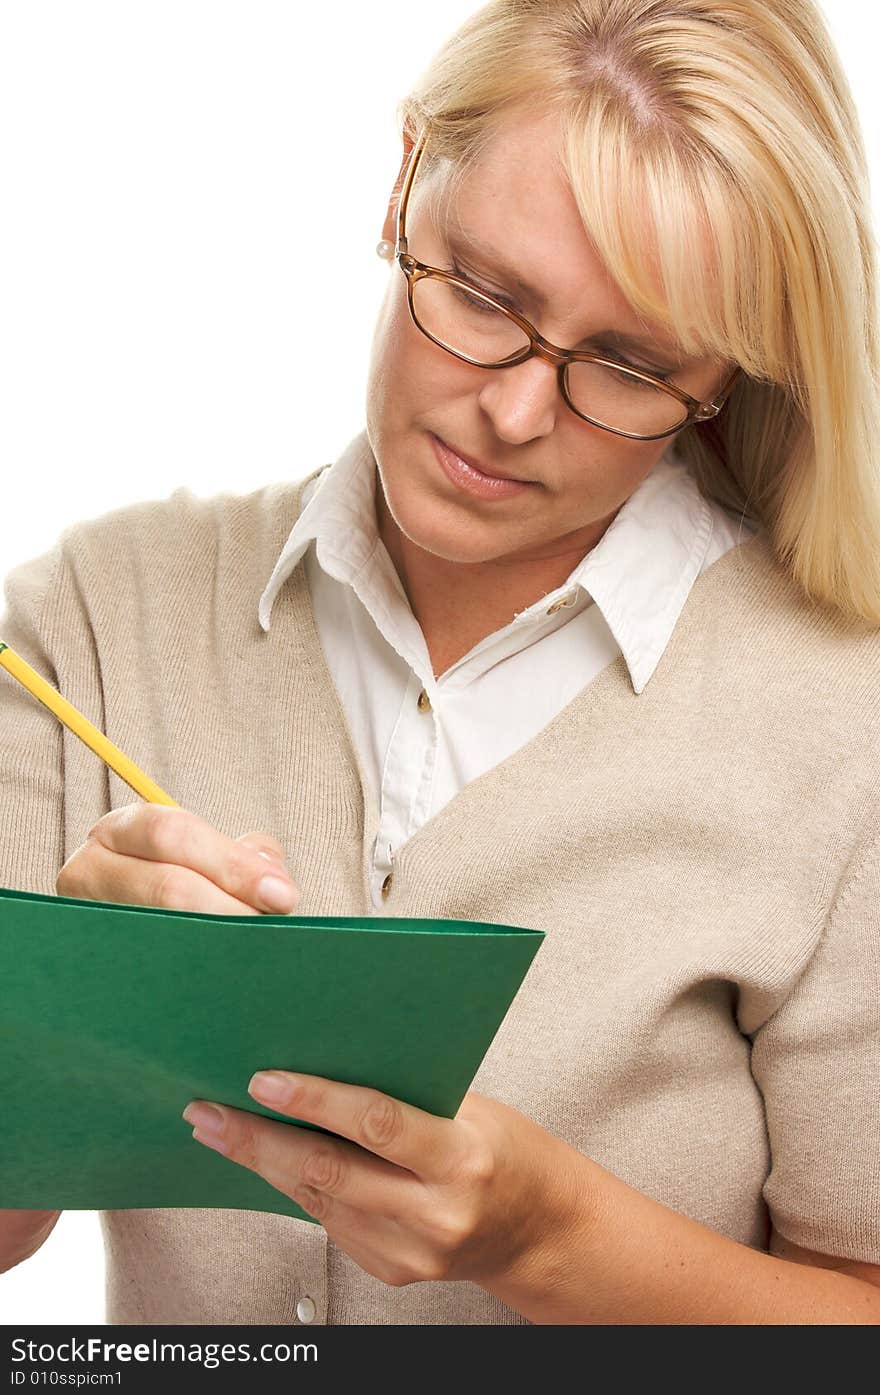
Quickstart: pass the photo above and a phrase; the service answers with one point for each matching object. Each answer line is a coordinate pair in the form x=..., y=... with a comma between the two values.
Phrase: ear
x=389, y=228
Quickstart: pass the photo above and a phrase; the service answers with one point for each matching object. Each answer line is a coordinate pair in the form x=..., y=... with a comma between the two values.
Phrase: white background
x=180, y=181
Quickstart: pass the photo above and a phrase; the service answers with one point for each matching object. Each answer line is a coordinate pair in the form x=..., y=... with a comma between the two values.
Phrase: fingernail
x=204, y=1117
x=276, y=895
x=269, y=1086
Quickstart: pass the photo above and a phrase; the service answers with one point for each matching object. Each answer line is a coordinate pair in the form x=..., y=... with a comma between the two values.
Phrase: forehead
x=517, y=201
x=518, y=191
x=524, y=154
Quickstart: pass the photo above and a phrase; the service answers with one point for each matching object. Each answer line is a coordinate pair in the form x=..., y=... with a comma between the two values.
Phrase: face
x=518, y=206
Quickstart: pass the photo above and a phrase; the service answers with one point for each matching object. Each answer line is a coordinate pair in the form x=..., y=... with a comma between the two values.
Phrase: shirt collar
x=639, y=574
x=342, y=506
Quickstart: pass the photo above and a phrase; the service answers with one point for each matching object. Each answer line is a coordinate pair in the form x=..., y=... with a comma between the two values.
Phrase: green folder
x=114, y=1017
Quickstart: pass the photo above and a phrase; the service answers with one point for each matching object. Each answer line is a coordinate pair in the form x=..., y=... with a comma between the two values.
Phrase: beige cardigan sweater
x=703, y=1018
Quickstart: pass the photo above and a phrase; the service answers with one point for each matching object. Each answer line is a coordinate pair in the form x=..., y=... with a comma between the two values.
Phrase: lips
x=478, y=464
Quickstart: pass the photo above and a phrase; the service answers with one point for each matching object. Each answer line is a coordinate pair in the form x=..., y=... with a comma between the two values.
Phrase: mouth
x=478, y=466
x=476, y=480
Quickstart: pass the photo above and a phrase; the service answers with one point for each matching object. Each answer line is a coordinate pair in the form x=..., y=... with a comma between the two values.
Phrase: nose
x=522, y=401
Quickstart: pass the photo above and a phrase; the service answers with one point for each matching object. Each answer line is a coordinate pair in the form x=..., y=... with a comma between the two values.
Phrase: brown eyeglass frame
x=538, y=346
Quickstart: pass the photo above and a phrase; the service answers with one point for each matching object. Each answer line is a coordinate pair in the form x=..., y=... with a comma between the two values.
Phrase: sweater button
x=386, y=886
x=424, y=703
x=305, y=1309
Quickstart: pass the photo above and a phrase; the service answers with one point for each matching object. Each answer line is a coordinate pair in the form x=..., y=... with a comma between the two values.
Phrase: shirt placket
x=407, y=780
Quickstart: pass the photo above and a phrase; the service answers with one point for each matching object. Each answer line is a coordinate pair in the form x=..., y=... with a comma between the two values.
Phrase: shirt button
x=386, y=886
x=424, y=703
x=563, y=604
x=305, y=1310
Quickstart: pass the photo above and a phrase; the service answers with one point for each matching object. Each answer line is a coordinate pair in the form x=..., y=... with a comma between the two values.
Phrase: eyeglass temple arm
x=708, y=410
x=404, y=193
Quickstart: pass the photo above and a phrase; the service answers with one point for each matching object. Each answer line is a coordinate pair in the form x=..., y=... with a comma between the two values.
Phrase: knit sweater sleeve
x=817, y=1062
x=52, y=789
x=31, y=760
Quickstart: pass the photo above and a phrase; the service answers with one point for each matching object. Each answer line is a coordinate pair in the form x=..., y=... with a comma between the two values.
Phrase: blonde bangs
x=687, y=252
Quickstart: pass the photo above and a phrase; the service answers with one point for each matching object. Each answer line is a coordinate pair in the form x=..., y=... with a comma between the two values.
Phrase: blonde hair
x=736, y=120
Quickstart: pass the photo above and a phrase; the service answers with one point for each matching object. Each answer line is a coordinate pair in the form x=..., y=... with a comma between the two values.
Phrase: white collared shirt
x=420, y=739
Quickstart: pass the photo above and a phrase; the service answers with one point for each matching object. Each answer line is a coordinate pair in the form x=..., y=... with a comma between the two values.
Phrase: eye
x=487, y=290
x=661, y=376
x=643, y=368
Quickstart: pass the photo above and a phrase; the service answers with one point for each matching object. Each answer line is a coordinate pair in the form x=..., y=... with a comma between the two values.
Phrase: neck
x=457, y=604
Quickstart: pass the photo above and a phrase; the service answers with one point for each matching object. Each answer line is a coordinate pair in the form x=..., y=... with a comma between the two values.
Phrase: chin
x=424, y=529
x=429, y=522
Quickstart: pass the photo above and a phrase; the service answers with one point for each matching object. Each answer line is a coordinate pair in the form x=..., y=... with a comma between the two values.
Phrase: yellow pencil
x=81, y=727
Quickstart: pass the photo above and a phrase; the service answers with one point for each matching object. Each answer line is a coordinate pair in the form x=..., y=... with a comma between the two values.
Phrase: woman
x=579, y=634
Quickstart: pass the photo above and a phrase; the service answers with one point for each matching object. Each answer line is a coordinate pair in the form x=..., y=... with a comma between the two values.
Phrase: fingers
x=157, y=855
x=267, y=847
x=102, y=875
x=389, y=1128
x=301, y=1161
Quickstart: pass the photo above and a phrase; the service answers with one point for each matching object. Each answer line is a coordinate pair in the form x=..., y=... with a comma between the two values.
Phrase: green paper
x=114, y=1017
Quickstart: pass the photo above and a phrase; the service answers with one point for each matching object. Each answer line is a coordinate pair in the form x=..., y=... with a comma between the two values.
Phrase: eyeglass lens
x=465, y=324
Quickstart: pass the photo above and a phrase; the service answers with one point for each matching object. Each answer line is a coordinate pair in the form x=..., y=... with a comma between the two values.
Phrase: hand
x=408, y=1195
x=22, y=1233
x=158, y=855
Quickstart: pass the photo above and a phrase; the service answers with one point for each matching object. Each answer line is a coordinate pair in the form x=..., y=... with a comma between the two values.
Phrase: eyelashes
x=664, y=375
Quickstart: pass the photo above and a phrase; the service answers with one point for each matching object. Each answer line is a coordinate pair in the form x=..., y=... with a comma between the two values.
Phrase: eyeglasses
x=468, y=322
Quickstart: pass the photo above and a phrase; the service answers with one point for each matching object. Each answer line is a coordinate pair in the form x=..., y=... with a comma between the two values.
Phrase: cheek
x=591, y=453
x=408, y=375
x=603, y=470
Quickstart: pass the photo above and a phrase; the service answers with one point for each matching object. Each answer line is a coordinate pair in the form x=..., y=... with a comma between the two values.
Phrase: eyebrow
x=617, y=340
